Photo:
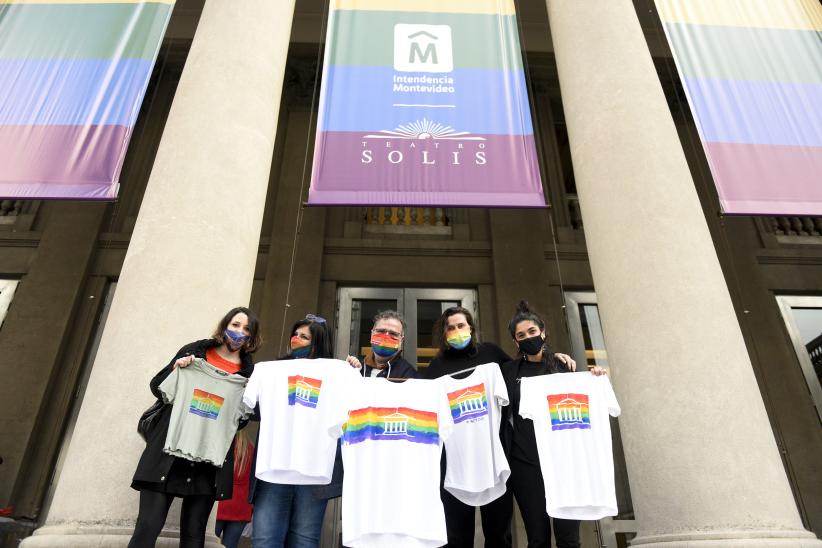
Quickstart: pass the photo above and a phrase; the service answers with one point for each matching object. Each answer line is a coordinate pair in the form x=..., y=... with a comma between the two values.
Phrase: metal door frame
x=607, y=528
x=7, y=289
x=466, y=297
x=345, y=296
x=786, y=303
x=572, y=301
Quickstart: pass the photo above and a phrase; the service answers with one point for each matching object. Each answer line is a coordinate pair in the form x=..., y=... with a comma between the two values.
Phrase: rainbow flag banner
x=424, y=102
x=752, y=71
x=72, y=77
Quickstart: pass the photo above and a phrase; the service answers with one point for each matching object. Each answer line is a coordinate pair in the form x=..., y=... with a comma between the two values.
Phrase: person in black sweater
x=459, y=349
x=518, y=439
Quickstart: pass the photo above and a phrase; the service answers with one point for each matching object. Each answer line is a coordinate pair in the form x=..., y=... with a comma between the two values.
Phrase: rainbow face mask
x=459, y=339
x=300, y=348
x=384, y=345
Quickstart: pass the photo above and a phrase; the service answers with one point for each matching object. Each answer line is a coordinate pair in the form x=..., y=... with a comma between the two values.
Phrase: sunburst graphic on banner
x=423, y=130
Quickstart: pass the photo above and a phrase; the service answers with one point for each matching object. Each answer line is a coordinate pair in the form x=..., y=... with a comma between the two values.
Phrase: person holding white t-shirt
x=288, y=514
x=459, y=351
x=526, y=481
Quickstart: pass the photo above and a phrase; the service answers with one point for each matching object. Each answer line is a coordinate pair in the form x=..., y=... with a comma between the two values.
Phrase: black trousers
x=153, y=511
x=496, y=521
x=527, y=486
x=459, y=518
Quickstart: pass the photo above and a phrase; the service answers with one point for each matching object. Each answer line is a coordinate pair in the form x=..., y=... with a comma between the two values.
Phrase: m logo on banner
x=423, y=48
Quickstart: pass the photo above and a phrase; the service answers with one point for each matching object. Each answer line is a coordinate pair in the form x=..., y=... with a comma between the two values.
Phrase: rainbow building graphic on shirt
x=303, y=390
x=391, y=424
x=468, y=403
x=569, y=411
x=206, y=405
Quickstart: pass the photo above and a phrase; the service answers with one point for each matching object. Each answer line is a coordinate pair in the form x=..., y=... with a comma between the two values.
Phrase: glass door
x=588, y=347
x=356, y=307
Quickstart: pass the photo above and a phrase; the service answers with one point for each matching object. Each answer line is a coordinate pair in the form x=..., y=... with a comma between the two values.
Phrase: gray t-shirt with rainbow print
x=207, y=405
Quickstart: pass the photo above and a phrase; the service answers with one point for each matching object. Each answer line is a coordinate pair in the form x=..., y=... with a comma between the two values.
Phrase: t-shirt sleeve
x=338, y=413
x=445, y=422
x=609, y=396
x=168, y=388
x=527, y=399
x=243, y=411
x=252, y=387
x=335, y=426
x=500, y=390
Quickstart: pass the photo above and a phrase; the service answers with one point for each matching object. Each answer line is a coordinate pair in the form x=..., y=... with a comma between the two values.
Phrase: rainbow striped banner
x=72, y=77
x=424, y=102
x=752, y=71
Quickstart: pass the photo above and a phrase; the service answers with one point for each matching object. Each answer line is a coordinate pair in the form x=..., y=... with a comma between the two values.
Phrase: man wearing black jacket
x=385, y=357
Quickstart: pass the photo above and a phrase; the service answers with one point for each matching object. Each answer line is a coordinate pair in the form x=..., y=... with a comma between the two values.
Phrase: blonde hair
x=242, y=452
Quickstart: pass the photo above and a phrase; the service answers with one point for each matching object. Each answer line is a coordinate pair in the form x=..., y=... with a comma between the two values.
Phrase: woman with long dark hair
x=160, y=477
x=292, y=515
x=535, y=358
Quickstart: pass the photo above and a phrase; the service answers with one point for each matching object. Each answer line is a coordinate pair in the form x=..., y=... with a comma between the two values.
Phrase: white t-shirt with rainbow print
x=298, y=399
x=573, y=432
x=477, y=468
x=392, y=438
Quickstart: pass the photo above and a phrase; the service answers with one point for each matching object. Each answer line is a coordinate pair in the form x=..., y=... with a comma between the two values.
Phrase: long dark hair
x=439, y=331
x=255, y=339
x=321, y=344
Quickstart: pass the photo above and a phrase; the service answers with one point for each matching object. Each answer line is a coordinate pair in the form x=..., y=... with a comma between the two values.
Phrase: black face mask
x=532, y=345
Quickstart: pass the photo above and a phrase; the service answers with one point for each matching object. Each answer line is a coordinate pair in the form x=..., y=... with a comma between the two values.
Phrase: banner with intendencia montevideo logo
x=424, y=103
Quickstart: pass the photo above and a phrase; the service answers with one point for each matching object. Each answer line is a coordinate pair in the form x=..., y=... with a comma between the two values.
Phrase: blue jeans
x=229, y=532
x=286, y=516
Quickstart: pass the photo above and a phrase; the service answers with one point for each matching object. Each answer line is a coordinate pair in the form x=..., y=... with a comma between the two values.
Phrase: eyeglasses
x=315, y=319
x=387, y=332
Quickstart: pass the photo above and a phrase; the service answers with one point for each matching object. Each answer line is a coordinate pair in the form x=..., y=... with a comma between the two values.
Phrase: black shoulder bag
x=149, y=418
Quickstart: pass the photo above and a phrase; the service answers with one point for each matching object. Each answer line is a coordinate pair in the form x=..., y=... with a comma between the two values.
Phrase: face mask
x=384, y=345
x=532, y=345
x=459, y=339
x=300, y=348
x=234, y=340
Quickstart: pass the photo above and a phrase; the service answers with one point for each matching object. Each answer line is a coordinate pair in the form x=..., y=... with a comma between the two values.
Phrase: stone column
x=703, y=465
x=191, y=257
